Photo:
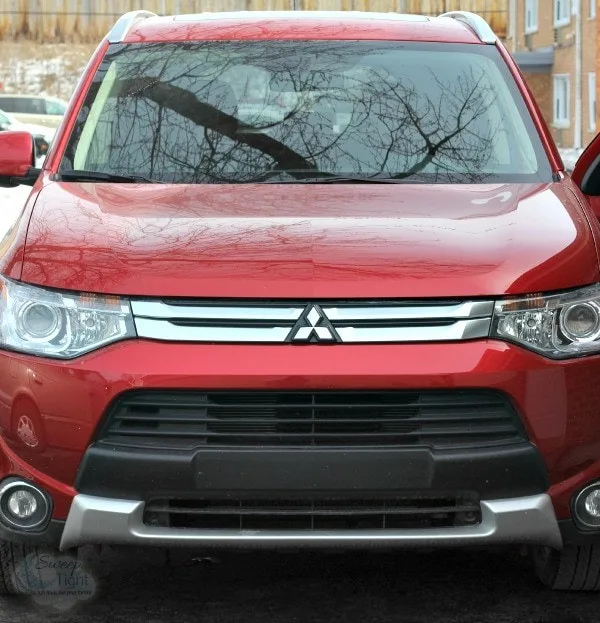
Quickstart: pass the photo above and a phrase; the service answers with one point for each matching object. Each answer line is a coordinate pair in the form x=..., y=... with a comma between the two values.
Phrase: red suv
x=365, y=311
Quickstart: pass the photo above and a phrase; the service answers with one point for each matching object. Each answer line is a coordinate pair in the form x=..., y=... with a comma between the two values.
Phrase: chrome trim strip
x=122, y=26
x=460, y=330
x=164, y=330
x=476, y=23
x=158, y=309
x=95, y=520
x=470, y=309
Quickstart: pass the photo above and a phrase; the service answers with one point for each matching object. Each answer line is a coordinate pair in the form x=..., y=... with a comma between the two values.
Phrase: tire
x=14, y=568
x=574, y=568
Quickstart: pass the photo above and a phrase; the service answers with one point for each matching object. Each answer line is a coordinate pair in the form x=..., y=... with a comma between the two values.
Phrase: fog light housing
x=587, y=506
x=23, y=506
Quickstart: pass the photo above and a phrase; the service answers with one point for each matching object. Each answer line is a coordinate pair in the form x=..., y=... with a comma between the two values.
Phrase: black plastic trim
x=50, y=535
x=572, y=533
x=472, y=397
x=125, y=473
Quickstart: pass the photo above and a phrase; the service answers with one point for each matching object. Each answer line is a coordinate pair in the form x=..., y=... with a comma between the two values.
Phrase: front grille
x=342, y=418
x=333, y=514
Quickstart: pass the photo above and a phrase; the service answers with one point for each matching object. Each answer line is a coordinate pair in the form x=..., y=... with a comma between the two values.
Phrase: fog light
x=592, y=503
x=587, y=506
x=23, y=505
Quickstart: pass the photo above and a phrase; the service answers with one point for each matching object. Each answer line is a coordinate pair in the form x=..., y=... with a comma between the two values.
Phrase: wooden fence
x=89, y=20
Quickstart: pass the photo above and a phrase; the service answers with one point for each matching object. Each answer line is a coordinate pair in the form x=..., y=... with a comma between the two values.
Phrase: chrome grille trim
x=159, y=309
x=470, y=309
x=164, y=330
x=460, y=330
x=300, y=322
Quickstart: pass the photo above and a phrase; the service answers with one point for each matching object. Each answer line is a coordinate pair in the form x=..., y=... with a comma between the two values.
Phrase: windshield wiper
x=320, y=177
x=344, y=180
x=80, y=175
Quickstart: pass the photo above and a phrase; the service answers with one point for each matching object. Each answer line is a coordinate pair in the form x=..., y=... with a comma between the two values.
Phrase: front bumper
x=558, y=403
x=529, y=520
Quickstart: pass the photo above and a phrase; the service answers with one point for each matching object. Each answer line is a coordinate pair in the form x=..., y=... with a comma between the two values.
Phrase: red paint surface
x=309, y=241
x=16, y=153
x=280, y=26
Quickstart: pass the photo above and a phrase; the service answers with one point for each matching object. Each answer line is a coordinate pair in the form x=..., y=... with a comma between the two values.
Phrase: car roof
x=313, y=25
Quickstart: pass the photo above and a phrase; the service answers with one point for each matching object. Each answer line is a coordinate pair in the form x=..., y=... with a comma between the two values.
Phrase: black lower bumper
x=492, y=473
x=50, y=536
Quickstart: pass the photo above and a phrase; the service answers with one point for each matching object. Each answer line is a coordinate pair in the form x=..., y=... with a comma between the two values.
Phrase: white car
x=42, y=135
x=41, y=110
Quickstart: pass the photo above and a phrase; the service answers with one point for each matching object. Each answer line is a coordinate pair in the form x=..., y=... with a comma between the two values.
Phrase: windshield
x=240, y=112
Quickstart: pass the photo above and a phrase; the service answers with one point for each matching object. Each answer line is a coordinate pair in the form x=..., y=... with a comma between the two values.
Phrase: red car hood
x=309, y=241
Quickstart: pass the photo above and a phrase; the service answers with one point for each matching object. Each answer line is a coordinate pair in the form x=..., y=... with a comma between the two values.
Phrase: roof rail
x=119, y=31
x=476, y=23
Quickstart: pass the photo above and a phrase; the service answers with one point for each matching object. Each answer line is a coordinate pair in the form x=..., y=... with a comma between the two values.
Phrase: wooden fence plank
x=88, y=20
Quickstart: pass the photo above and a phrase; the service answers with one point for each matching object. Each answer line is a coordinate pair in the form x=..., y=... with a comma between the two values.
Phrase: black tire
x=14, y=568
x=574, y=568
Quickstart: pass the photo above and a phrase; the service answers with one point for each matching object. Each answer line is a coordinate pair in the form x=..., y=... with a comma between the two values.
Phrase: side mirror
x=17, y=157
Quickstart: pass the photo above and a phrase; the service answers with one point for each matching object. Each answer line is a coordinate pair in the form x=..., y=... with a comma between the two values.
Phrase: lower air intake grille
x=164, y=419
x=430, y=512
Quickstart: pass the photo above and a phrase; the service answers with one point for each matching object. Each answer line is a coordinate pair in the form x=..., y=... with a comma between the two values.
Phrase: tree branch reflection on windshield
x=231, y=112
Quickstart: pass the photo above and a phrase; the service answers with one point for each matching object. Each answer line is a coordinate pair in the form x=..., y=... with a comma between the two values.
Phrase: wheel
x=574, y=568
x=17, y=575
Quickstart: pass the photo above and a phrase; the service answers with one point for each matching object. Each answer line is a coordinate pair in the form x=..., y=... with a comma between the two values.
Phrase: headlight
x=558, y=326
x=52, y=324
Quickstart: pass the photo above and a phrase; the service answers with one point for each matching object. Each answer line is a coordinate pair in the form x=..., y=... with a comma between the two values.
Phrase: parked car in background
x=46, y=111
x=363, y=311
x=42, y=135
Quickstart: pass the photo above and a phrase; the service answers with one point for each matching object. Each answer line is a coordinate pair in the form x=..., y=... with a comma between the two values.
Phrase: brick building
x=555, y=44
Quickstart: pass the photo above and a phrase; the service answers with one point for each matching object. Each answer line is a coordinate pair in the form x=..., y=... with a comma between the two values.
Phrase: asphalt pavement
x=451, y=586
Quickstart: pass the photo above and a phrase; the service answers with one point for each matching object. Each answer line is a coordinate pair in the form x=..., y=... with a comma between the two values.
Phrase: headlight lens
x=51, y=324
x=558, y=326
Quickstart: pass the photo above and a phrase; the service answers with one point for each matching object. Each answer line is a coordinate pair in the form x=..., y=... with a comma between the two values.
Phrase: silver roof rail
x=119, y=31
x=476, y=23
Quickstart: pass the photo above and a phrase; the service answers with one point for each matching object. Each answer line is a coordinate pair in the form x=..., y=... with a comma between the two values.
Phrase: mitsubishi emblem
x=313, y=326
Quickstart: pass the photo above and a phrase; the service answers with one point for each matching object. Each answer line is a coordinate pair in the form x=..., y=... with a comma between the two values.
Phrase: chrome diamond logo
x=313, y=326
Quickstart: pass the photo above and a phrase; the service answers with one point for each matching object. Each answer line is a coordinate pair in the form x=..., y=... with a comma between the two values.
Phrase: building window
x=562, y=96
x=592, y=100
x=562, y=13
x=593, y=8
x=531, y=16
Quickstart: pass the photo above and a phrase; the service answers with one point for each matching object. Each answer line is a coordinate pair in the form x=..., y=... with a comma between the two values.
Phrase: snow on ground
x=49, y=69
x=11, y=203
x=570, y=157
